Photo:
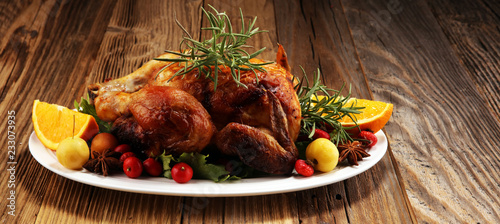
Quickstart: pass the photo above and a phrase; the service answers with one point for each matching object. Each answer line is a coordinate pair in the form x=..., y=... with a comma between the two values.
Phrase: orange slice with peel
x=54, y=123
x=373, y=117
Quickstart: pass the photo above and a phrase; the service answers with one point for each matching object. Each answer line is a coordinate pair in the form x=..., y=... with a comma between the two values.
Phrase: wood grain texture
x=137, y=32
x=315, y=35
x=472, y=29
x=436, y=61
x=140, y=30
x=264, y=11
x=330, y=48
x=445, y=146
x=118, y=48
x=36, y=66
x=257, y=209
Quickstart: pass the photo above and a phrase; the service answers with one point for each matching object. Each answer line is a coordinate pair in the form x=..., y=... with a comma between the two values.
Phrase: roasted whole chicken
x=258, y=123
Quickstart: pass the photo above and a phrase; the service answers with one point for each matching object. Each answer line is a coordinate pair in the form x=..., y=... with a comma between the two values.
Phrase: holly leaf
x=198, y=162
x=202, y=169
x=166, y=159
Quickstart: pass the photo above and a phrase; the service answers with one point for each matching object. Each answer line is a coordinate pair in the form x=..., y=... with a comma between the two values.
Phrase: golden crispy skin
x=111, y=98
x=228, y=103
x=231, y=103
x=253, y=106
x=165, y=118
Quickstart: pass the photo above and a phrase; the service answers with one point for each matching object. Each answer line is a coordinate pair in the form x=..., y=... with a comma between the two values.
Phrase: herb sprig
x=324, y=112
x=224, y=48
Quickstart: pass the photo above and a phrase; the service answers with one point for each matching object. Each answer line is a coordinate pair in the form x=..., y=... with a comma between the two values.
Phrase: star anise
x=103, y=162
x=353, y=151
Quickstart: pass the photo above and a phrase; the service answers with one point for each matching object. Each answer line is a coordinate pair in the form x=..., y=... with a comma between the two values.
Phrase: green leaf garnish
x=85, y=107
x=166, y=159
x=201, y=169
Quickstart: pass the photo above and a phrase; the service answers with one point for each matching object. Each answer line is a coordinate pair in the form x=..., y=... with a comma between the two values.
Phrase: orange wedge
x=54, y=123
x=373, y=117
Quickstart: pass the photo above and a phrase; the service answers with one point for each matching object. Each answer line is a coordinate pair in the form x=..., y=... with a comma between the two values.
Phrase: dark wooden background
x=437, y=61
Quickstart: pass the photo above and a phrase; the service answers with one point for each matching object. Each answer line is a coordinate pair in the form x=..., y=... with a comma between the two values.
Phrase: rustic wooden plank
x=277, y=208
x=317, y=205
x=256, y=208
x=109, y=206
x=73, y=199
x=18, y=31
x=35, y=65
x=446, y=148
x=202, y=210
x=472, y=29
x=296, y=34
x=137, y=32
x=320, y=37
x=42, y=44
x=264, y=11
x=316, y=36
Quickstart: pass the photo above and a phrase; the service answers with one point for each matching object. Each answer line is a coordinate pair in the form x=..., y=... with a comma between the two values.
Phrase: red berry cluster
x=133, y=166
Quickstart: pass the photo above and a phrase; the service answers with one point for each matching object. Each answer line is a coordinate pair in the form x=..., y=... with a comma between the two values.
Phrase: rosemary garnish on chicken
x=323, y=108
x=224, y=48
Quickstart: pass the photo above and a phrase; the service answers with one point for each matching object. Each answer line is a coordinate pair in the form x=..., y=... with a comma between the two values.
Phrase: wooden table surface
x=437, y=61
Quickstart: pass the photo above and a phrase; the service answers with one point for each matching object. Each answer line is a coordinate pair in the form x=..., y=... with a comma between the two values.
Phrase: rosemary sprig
x=324, y=112
x=224, y=48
